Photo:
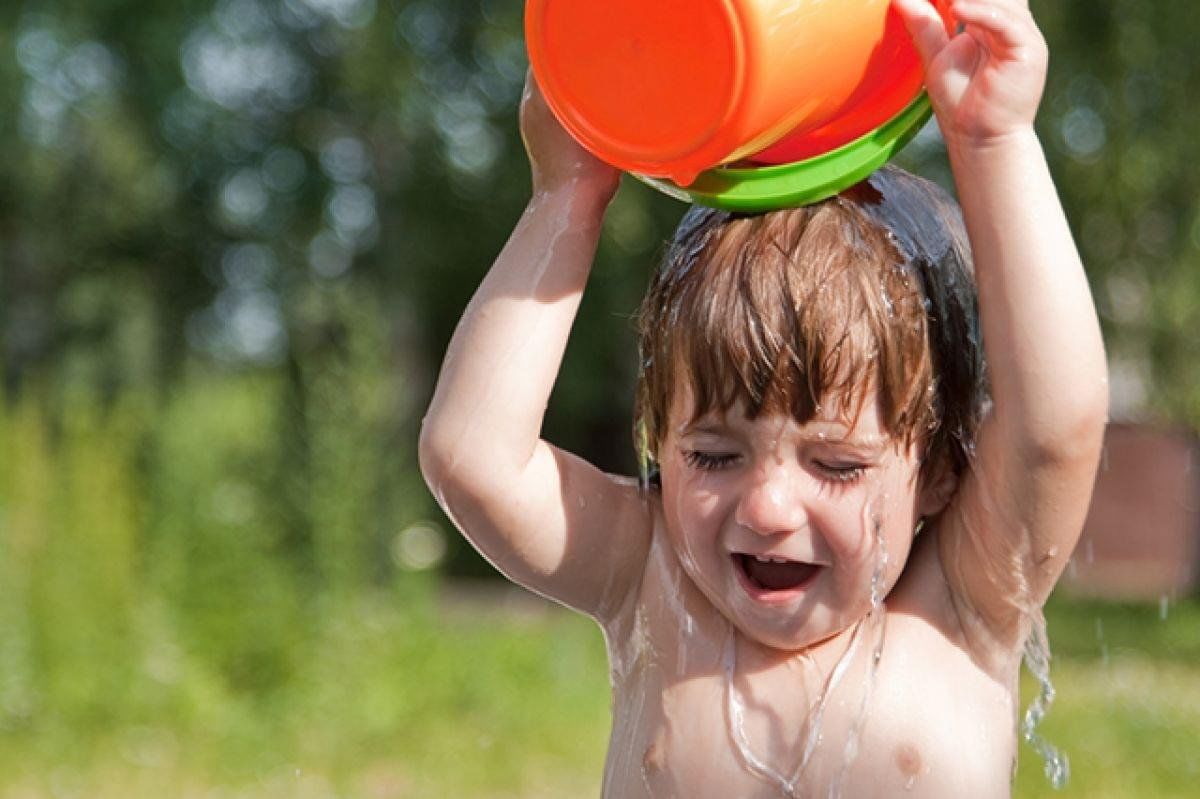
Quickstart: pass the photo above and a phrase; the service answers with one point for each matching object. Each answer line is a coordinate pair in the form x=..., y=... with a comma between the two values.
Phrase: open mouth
x=767, y=575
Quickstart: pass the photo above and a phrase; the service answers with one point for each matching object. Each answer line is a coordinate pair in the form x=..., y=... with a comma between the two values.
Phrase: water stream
x=870, y=628
x=1037, y=660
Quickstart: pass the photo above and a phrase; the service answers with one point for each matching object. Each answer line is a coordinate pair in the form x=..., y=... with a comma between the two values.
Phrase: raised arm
x=546, y=519
x=1019, y=511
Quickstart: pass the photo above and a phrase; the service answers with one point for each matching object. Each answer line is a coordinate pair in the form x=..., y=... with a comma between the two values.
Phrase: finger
x=1010, y=27
x=924, y=25
x=963, y=54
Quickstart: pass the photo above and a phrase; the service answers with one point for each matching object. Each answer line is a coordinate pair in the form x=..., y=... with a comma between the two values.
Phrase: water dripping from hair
x=813, y=737
x=876, y=625
x=871, y=628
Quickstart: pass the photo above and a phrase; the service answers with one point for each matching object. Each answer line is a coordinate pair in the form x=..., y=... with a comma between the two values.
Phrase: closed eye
x=708, y=461
x=842, y=472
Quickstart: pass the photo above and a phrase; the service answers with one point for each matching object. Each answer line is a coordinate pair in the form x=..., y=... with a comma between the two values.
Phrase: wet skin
x=719, y=659
x=825, y=501
x=936, y=726
x=706, y=656
x=718, y=676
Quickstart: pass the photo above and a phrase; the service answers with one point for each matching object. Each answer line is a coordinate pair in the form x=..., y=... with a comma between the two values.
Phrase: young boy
x=828, y=587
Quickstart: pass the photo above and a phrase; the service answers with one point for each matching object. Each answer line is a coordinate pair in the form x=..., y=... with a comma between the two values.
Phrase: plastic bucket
x=671, y=88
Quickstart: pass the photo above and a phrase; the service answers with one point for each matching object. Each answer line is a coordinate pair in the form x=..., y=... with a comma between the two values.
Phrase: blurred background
x=235, y=236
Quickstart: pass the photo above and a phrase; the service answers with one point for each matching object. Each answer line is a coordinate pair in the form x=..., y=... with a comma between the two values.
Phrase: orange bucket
x=671, y=88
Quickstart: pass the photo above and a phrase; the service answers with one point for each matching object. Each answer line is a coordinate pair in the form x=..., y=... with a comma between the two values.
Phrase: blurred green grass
x=393, y=697
x=1127, y=711
x=194, y=604
x=404, y=695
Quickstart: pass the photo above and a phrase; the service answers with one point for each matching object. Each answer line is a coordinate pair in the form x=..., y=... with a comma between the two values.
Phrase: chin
x=787, y=637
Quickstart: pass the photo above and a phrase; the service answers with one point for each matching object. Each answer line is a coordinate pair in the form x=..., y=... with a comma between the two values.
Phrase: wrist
x=583, y=199
x=1017, y=143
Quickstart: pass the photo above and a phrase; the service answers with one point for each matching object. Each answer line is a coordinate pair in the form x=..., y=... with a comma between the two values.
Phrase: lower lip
x=770, y=596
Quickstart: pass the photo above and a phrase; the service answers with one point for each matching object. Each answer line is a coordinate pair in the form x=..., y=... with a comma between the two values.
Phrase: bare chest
x=892, y=714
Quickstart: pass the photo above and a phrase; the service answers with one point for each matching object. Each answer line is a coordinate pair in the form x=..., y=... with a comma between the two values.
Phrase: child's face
x=738, y=492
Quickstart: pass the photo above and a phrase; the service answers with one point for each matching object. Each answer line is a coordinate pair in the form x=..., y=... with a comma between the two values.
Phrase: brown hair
x=867, y=292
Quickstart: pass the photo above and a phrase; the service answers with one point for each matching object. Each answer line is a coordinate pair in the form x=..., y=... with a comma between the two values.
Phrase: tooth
x=779, y=560
x=762, y=559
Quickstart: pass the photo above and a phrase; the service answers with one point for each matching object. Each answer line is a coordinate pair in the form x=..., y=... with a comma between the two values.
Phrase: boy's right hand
x=557, y=160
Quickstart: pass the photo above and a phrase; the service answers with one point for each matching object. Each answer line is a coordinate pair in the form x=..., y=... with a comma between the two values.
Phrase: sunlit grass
x=406, y=696
x=1127, y=712
x=395, y=698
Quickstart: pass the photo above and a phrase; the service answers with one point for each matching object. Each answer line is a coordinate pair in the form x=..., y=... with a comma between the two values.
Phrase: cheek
x=844, y=526
x=695, y=505
x=884, y=500
x=895, y=512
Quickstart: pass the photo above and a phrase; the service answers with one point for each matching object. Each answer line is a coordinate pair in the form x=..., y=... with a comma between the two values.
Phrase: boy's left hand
x=985, y=80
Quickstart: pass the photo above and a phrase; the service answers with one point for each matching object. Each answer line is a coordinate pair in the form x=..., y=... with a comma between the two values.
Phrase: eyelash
x=707, y=462
x=843, y=474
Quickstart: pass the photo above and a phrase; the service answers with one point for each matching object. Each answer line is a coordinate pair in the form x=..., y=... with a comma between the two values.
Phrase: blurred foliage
x=1118, y=122
x=235, y=236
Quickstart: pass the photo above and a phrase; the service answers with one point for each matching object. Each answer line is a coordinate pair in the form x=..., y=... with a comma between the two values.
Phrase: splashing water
x=873, y=626
x=788, y=786
x=1037, y=660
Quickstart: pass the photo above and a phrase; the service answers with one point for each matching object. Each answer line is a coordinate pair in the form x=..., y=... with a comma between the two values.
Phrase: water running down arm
x=1020, y=507
x=547, y=519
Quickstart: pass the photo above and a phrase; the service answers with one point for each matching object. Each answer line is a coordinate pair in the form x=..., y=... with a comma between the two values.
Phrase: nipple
x=908, y=760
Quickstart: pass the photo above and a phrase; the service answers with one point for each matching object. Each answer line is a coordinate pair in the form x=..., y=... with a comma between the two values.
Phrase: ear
x=937, y=486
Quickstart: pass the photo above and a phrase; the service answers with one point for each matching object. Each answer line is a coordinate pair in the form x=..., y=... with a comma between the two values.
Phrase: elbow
x=1090, y=424
x=434, y=456
x=435, y=453
x=459, y=469
x=1089, y=415
x=1076, y=435
x=438, y=459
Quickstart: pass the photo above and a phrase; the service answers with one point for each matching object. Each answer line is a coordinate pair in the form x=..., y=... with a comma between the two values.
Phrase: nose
x=773, y=501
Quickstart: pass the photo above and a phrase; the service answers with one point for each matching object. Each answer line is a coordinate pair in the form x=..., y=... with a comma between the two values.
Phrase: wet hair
x=869, y=294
